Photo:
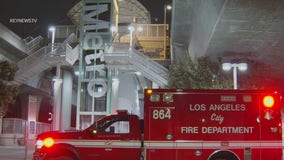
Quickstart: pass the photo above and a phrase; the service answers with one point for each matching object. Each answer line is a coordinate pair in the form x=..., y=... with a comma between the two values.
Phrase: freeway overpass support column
x=57, y=86
x=67, y=83
x=208, y=15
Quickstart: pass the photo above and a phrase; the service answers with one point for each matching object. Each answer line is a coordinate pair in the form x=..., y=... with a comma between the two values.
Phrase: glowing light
x=168, y=7
x=268, y=101
x=149, y=91
x=131, y=28
x=48, y=142
x=113, y=29
x=235, y=66
x=52, y=28
x=39, y=144
x=140, y=29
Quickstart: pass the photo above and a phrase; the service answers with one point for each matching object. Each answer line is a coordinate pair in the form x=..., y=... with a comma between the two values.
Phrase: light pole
x=240, y=66
x=113, y=30
x=57, y=89
x=52, y=30
x=166, y=7
x=131, y=30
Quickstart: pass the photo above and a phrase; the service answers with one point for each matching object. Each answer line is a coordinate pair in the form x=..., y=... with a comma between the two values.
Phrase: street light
x=240, y=66
x=57, y=89
x=113, y=30
x=52, y=30
x=131, y=30
x=166, y=7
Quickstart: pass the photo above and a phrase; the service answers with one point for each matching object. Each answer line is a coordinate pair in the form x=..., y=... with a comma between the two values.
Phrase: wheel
x=223, y=155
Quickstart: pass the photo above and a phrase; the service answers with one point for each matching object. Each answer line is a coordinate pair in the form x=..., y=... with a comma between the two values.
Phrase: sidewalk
x=17, y=152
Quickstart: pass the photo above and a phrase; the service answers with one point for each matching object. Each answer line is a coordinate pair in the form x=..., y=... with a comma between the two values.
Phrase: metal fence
x=13, y=126
x=18, y=126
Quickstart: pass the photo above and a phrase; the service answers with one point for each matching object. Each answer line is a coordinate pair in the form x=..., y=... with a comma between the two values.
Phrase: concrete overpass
x=246, y=30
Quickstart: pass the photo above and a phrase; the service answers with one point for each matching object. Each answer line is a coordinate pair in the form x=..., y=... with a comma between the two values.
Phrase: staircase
x=32, y=44
x=48, y=56
x=119, y=55
x=20, y=48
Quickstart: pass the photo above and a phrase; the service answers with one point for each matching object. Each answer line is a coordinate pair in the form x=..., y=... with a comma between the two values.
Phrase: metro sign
x=94, y=31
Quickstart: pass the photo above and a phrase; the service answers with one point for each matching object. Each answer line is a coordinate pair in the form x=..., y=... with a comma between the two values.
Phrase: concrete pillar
x=57, y=86
x=208, y=15
x=66, y=100
x=128, y=98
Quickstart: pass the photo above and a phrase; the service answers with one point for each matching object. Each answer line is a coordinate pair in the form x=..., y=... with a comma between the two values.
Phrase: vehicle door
x=118, y=139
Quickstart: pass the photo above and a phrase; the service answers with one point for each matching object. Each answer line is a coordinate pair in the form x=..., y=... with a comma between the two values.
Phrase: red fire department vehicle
x=179, y=125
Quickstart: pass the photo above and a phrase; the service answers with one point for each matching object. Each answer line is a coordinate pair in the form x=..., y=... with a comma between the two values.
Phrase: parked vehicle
x=179, y=125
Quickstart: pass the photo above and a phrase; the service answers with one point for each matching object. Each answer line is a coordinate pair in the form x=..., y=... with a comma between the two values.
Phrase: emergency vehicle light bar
x=149, y=91
x=166, y=97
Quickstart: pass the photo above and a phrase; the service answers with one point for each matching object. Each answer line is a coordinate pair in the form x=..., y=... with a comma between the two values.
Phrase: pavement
x=17, y=152
x=14, y=153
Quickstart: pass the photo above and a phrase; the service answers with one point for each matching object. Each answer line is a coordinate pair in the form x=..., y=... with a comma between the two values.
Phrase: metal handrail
x=43, y=52
x=147, y=65
x=34, y=42
x=57, y=49
x=43, y=58
x=154, y=70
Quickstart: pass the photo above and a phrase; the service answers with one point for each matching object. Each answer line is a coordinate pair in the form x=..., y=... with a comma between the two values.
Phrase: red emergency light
x=268, y=101
x=48, y=142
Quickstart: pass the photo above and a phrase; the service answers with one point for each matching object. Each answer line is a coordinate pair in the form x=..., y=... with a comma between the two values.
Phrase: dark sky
x=51, y=12
x=46, y=12
x=156, y=8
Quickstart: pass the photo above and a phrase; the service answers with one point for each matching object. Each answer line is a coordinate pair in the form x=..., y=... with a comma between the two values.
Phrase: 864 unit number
x=164, y=113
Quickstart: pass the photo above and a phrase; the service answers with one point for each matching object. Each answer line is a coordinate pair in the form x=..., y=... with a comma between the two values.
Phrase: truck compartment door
x=159, y=133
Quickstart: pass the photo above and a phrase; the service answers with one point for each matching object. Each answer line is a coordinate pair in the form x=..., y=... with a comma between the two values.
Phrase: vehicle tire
x=223, y=155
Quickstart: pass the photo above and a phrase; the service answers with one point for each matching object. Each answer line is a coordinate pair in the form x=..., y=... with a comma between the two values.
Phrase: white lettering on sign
x=189, y=130
x=162, y=114
x=197, y=107
x=227, y=130
x=217, y=107
x=218, y=118
x=93, y=42
x=92, y=87
x=216, y=130
x=227, y=107
x=217, y=114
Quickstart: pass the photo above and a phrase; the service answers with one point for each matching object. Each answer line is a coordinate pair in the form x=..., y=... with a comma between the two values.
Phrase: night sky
x=44, y=13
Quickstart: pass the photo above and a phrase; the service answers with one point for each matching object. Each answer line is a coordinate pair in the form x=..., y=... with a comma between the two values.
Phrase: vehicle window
x=118, y=127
